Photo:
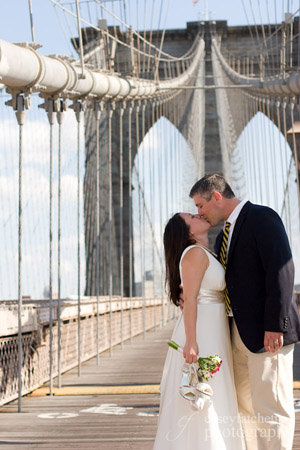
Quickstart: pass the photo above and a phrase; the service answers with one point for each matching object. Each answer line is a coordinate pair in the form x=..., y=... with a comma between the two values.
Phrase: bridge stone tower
x=176, y=42
x=186, y=112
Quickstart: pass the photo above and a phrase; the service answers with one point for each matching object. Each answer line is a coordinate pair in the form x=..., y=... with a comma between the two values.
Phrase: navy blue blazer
x=260, y=277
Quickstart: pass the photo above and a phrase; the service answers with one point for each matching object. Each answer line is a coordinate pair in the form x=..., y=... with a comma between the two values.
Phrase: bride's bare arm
x=193, y=267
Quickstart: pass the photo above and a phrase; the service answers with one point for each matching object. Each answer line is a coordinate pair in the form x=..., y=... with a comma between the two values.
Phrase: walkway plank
x=129, y=421
x=110, y=421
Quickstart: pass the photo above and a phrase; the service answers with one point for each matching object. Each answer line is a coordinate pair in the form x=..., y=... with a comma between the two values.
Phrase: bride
x=202, y=329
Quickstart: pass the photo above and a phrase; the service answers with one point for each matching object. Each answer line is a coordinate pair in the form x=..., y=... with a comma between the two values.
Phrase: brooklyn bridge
x=97, y=151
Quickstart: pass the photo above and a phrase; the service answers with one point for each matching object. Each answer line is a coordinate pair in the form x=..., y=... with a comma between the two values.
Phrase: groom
x=254, y=249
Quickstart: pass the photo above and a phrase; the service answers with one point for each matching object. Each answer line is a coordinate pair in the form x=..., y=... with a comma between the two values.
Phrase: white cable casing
x=288, y=86
x=23, y=69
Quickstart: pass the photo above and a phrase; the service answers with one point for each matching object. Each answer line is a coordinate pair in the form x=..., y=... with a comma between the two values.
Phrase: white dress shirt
x=232, y=219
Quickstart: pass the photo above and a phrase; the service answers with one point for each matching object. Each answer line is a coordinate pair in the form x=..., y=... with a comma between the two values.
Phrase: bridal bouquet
x=193, y=386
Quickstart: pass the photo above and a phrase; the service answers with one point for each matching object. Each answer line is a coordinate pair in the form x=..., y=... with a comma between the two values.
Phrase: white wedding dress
x=217, y=427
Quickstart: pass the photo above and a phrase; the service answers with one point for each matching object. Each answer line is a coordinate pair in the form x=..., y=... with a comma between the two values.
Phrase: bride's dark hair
x=176, y=239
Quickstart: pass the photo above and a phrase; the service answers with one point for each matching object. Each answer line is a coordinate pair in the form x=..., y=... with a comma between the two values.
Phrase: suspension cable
x=110, y=109
x=273, y=163
x=266, y=165
x=121, y=111
x=59, y=117
x=143, y=222
x=50, y=113
x=97, y=113
x=80, y=38
x=287, y=165
x=31, y=20
x=160, y=211
x=78, y=107
x=109, y=35
x=152, y=183
x=20, y=103
x=281, y=158
x=130, y=109
x=295, y=148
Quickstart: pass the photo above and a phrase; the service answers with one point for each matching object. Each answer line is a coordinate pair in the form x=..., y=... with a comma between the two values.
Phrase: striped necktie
x=223, y=261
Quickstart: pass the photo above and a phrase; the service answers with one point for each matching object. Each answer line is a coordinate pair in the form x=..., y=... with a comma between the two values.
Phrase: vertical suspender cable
x=160, y=216
x=137, y=130
x=80, y=39
x=110, y=215
x=98, y=116
x=284, y=183
x=273, y=162
x=78, y=111
x=121, y=221
x=171, y=182
x=143, y=219
x=175, y=154
x=251, y=174
x=140, y=200
x=151, y=222
x=294, y=150
x=287, y=165
x=166, y=154
x=158, y=165
x=266, y=164
x=78, y=244
x=172, y=158
x=291, y=44
x=174, y=170
x=20, y=349
x=130, y=210
x=31, y=20
x=167, y=187
x=59, y=117
x=253, y=146
x=252, y=149
x=242, y=146
x=259, y=156
x=144, y=44
x=51, y=122
x=152, y=184
x=179, y=161
x=20, y=114
x=140, y=228
x=247, y=145
x=248, y=149
x=138, y=40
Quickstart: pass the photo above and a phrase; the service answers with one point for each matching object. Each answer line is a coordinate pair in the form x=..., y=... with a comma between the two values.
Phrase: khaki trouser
x=264, y=384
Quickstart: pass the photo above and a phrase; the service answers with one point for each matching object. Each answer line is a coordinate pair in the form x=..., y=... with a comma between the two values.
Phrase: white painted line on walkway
x=108, y=408
x=55, y=415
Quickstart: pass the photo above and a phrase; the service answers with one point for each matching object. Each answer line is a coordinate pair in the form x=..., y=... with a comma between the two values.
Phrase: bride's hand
x=190, y=352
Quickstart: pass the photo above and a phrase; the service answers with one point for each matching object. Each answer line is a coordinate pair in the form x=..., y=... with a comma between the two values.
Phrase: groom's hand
x=273, y=341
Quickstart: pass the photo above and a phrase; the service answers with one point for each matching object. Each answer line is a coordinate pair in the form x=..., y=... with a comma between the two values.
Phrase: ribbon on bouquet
x=192, y=386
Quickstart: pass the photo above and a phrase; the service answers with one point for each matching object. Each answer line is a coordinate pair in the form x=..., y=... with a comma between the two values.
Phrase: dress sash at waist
x=210, y=296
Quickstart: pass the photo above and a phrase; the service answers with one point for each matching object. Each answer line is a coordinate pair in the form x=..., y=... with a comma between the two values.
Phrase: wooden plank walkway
x=111, y=421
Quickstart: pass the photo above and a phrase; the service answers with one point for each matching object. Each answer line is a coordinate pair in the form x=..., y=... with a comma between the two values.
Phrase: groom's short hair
x=210, y=183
